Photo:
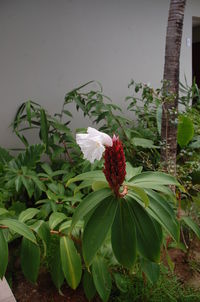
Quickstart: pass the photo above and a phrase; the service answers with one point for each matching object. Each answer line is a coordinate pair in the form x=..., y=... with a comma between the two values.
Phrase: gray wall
x=48, y=47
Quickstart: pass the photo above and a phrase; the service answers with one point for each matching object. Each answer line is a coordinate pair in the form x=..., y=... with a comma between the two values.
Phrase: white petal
x=102, y=137
x=92, y=149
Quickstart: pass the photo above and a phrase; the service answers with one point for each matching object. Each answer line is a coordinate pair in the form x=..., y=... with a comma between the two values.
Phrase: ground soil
x=187, y=269
x=44, y=290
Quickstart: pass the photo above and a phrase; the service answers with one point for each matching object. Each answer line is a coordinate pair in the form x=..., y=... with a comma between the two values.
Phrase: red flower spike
x=115, y=165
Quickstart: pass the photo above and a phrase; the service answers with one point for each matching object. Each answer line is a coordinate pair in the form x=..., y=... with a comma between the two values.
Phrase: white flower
x=92, y=144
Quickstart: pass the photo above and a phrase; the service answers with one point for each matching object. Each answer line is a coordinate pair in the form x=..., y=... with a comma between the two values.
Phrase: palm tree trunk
x=171, y=85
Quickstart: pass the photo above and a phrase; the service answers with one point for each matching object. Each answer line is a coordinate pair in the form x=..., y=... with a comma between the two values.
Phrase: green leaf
x=19, y=228
x=151, y=270
x=3, y=211
x=141, y=194
x=31, y=156
x=28, y=184
x=30, y=259
x=97, y=227
x=185, y=131
x=28, y=214
x=159, y=118
x=121, y=282
x=55, y=266
x=148, y=237
x=192, y=225
x=88, y=285
x=143, y=142
x=102, y=278
x=131, y=172
x=43, y=231
x=88, y=203
x=71, y=262
x=97, y=185
x=44, y=128
x=3, y=254
x=5, y=156
x=28, y=111
x=18, y=183
x=147, y=179
x=92, y=175
x=123, y=235
x=55, y=219
x=160, y=209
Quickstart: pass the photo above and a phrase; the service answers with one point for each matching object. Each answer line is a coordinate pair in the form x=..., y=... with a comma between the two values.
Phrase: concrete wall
x=48, y=47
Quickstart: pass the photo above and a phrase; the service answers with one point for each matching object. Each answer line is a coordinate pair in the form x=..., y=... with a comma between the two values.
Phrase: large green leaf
x=3, y=211
x=88, y=203
x=92, y=175
x=102, y=278
x=124, y=235
x=71, y=262
x=185, y=131
x=55, y=265
x=161, y=210
x=151, y=269
x=132, y=171
x=146, y=179
x=30, y=259
x=141, y=194
x=19, y=227
x=97, y=228
x=143, y=142
x=148, y=236
x=28, y=214
x=192, y=225
x=88, y=285
x=3, y=254
x=55, y=219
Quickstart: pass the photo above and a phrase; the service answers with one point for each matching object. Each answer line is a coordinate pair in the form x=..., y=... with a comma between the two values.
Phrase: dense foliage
x=60, y=209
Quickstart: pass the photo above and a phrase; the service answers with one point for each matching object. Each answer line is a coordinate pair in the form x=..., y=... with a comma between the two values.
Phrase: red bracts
x=115, y=165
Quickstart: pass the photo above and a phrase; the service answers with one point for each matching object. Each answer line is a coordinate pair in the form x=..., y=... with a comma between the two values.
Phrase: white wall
x=49, y=47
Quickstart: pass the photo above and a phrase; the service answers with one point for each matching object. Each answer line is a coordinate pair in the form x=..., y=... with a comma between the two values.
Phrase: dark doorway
x=196, y=50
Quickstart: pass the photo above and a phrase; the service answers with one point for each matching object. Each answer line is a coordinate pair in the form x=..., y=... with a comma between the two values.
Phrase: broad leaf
x=141, y=194
x=55, y=266
x=151, y=270
x=28, y=214
x=123, y=235
x=55, y=219
x=161, y=210
x=131, y=172
x=143, y=142
x=92, y=175
x=146, y=179
x=102, y=278
x=3, y=211
x=97, y=227
x=88, y=285
x=19, y=228
x=185, y=131
x=148, y=237
x=3, y=254
x=192, y=225
x=71, y=262
x=88, y=203
x=30, y=259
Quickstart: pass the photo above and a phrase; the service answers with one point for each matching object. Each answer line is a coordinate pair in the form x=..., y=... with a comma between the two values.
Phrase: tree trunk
x=171, y=85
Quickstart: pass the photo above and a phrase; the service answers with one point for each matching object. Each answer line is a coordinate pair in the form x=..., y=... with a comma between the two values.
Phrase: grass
x=167, y=289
